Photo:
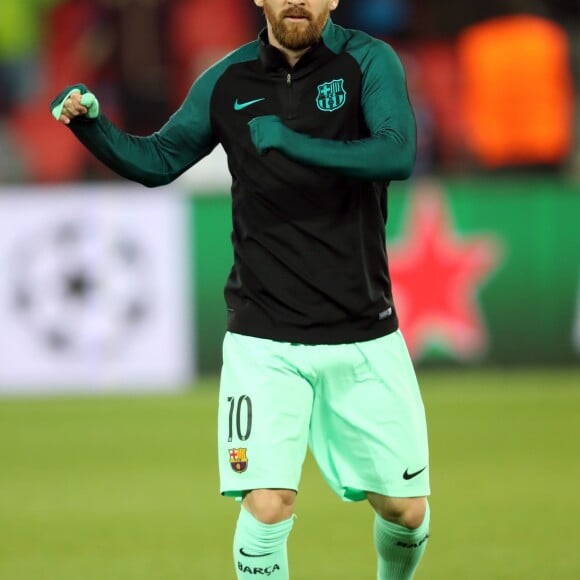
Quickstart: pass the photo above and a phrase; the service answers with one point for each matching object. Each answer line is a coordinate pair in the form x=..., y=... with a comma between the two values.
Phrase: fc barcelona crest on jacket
x=239, y=459
x=331, y=95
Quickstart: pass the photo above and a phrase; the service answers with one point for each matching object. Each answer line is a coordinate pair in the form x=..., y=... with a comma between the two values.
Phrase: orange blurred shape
x=516, y=91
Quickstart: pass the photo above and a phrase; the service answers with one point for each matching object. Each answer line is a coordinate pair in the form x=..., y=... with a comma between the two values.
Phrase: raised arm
x=153, y=160
x=389, y=152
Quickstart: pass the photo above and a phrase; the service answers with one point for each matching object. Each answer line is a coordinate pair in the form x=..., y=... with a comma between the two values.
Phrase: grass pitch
x=126, y=488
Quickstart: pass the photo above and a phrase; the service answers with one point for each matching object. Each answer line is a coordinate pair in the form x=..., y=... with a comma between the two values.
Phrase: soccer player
x=316, y=121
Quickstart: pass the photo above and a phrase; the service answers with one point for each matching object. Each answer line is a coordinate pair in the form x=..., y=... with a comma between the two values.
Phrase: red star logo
x=436, y=275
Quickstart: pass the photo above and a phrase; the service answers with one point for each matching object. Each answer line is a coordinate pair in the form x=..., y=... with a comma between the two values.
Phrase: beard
x=296, y=35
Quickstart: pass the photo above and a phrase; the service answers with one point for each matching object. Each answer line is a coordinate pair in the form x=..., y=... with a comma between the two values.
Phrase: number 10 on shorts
x=242, y=409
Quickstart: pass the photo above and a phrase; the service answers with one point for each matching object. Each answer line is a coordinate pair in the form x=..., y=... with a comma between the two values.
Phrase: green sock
x=399, y=549
x=260, y=549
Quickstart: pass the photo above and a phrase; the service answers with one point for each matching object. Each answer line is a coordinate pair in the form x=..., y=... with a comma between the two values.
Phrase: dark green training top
x=311, y=150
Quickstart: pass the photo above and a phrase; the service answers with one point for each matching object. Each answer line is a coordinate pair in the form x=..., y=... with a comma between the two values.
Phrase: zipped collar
x=273, y=59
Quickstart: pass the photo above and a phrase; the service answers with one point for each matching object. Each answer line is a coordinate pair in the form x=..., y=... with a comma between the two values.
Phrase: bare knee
x=404, y=511
x=270, y=506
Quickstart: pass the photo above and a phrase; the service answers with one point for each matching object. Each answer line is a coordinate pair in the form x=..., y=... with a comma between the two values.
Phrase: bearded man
x=316, y=122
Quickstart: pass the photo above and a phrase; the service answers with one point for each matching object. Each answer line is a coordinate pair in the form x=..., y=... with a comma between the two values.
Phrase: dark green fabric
x=160, y=158
x=389, y=153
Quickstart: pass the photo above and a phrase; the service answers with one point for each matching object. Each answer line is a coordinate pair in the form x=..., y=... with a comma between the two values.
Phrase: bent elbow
x=152, y=180
x=403, y=169
x=399, y=171
x=151, y=183
x=398, y=159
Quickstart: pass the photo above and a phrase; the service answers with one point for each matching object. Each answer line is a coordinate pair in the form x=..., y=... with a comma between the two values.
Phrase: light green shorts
x=357, y=406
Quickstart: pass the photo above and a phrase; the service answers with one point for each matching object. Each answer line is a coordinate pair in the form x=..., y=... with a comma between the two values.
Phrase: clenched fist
x=74, y=101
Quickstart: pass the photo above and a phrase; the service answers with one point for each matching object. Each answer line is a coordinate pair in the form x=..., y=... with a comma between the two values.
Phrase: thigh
x=263, y=418
x=368, y=428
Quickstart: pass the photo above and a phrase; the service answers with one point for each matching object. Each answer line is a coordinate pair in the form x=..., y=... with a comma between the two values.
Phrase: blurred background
x=108, y=289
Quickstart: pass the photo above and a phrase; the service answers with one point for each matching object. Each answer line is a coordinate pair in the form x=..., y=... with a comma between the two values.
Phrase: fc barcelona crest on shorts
x=239, y=459
x=331, y=95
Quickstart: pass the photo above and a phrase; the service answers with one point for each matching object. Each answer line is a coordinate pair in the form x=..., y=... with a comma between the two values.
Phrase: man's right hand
x=74, y=102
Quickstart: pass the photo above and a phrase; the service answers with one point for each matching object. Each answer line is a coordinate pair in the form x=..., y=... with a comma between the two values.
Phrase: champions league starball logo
x=80, y=291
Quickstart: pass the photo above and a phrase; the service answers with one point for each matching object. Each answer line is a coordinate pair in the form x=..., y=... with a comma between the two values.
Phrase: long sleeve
x=388, y=153
x=159, y=158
